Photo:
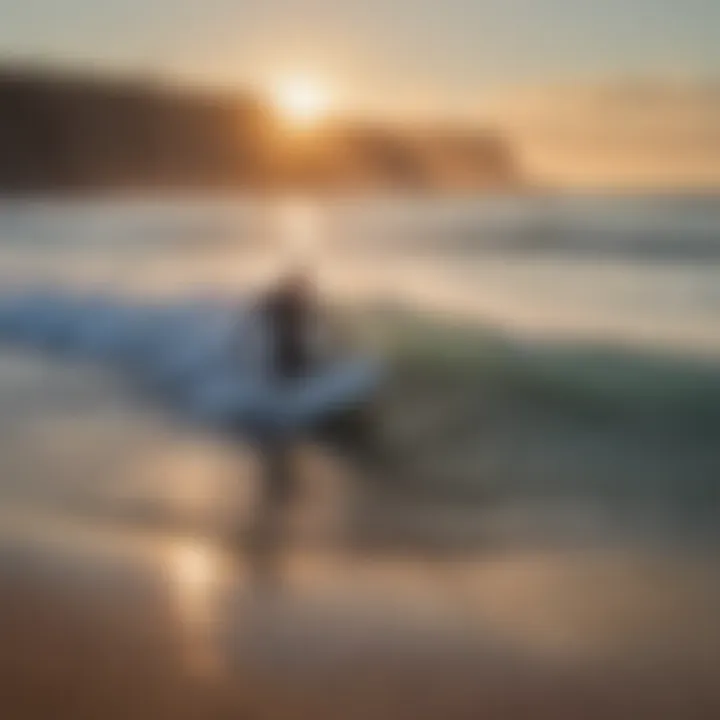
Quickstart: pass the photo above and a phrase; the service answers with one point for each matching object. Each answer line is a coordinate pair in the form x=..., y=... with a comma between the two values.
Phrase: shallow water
x=554, y=360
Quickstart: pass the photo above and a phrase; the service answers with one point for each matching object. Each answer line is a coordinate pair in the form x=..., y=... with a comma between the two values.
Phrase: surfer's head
x=297, y=286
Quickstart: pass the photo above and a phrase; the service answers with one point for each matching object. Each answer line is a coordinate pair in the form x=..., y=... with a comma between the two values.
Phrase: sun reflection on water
x=300, y=230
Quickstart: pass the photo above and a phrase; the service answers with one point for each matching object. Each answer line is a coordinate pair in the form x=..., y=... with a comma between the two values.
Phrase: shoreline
x=112, y=625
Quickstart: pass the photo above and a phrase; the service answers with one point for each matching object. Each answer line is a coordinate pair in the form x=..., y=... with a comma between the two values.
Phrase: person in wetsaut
x=289, y=311
x=292, y=315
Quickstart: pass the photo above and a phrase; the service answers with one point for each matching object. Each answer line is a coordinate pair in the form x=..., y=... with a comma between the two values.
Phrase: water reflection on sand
x=625, y=631
x=121, y=585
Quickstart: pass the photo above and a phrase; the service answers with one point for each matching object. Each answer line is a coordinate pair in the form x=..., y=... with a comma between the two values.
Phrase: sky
x=378, y=56
x=587, y=91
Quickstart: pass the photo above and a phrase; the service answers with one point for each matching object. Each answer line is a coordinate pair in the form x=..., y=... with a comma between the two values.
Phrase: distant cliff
x=72, y=133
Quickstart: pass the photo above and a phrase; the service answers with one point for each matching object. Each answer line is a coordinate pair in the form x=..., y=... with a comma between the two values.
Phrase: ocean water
x=553, y=361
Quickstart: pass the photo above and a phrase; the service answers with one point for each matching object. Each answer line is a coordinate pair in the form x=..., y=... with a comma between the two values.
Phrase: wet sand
x=120, y=599
x=99, y=623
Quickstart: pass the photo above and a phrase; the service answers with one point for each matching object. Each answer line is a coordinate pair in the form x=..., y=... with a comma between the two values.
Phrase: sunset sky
x=389, y=56
x=619, y=90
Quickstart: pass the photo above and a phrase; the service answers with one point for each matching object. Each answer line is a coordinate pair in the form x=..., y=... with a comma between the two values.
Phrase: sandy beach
x=101, y=623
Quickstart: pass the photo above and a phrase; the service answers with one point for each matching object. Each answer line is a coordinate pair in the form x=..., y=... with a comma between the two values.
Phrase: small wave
x=205, y=346
x=582, y=377
x=628, y=435
x=658, y=247
x=532, y=420
x=210, y=357
x=183, y=351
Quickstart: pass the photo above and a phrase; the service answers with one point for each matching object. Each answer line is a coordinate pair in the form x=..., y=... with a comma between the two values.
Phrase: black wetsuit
x=286, y=311
x=287, y=314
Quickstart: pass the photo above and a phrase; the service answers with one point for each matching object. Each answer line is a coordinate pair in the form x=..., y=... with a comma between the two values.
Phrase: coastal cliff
x=63, y=132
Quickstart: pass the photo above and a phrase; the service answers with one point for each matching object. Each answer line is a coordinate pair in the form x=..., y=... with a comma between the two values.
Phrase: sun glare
x=301, y=101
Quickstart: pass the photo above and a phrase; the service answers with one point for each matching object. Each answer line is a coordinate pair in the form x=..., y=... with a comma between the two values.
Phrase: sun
x=301, y=101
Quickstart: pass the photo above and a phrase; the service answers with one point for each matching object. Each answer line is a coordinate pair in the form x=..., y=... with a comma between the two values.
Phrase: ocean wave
x=627, y=435
x=537, y=240
x=582, y=377
x=622, y=431
x=208, y=357
x=207, y=347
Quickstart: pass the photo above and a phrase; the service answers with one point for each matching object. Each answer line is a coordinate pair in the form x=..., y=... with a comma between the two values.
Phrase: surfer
x=285, y=314
x=301, y=351
x=292, y=318
x=288, y=311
